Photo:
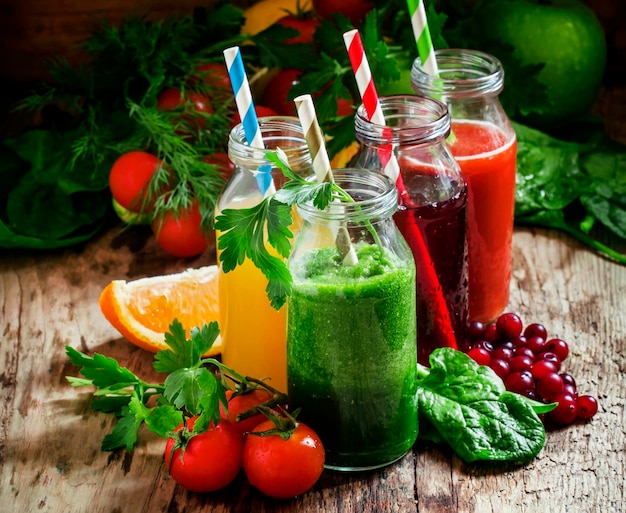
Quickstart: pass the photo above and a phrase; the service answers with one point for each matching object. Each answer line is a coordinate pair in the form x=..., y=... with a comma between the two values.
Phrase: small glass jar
x=431, y=216
x=485, y=146
x=253, y=332
x=351, y=352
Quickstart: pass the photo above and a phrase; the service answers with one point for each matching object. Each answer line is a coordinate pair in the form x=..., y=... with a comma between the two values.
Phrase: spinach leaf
x=48, y=200
x=571, y=185
x=469, y=407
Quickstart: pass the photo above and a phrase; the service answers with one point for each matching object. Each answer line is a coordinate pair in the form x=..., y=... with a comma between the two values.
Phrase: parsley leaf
x=190, y=389
x=242, y=236
x=102, y=371
x=183, y=352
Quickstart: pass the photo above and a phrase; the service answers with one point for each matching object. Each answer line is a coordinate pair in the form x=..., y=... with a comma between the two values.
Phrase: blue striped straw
x=245, y=107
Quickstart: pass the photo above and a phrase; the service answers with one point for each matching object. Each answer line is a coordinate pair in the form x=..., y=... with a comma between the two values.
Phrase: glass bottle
x=485, y=146
x=253, y=332
x=431, y=216
x=351, y=353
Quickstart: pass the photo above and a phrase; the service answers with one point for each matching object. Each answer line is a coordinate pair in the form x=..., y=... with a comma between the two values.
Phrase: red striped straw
x=367, y=89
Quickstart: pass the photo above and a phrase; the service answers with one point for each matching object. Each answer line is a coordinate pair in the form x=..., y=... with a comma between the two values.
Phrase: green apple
x=562, y=38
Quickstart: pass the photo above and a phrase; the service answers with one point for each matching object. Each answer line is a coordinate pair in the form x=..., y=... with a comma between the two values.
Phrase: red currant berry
x=521, y=363
x=536, y=344
x=550, y=357
x=558, y=347
x=508, y=326
x=475, y=330
x=502, y=353
x=521, y=341
x=500, y=367
x=519, y=382
x=568, y=379
x=566, y=411
x=490, y=334
x=480, y=355
x=487, y=346
x=536, y=330
x=524, y=351
x=587, y=406
x=549, y=386
x=508, y=344
x=570, y=389
x=541, y=368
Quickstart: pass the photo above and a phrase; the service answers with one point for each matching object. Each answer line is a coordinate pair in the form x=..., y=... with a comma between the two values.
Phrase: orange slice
x=142, y=310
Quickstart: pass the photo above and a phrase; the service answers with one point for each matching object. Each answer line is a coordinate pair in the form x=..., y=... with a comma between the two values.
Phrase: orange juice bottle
x=253, y=332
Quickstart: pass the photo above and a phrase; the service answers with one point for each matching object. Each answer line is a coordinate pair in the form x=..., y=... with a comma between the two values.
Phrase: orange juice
x=254, y=333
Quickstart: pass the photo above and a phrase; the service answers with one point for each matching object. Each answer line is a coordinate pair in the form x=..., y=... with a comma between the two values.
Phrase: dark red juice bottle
x=443, y=230
x=431, y=214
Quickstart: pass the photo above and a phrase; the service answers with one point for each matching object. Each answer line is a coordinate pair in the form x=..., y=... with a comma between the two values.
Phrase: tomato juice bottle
x=484, y=144
x=432, y=210
x=253, y=332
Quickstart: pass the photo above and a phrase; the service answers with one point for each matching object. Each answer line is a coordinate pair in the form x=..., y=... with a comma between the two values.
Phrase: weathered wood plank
x=49, y=437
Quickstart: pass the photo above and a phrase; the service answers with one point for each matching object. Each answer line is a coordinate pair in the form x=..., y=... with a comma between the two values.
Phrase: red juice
x=488, y=162
x=442, y=228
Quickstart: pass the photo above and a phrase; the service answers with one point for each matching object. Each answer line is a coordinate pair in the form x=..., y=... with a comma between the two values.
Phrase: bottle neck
x=374, y=194
x=462, y=74
x=284, y=132
x=409, y=120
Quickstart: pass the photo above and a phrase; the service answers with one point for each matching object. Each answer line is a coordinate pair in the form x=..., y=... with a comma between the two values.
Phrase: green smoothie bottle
x=351, y=354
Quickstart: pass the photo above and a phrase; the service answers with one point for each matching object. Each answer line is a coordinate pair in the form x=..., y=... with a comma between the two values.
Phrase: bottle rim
x=462, y=73
x=375, y=194
x=409, y=120
x=277, y=131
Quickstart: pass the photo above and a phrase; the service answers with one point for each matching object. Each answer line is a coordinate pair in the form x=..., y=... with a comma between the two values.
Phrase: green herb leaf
x=243, y=236
x=183, y=352
x=102, y=371
x=163, y=420
x=190, y=389
x=570, y=185
x=186, y=388
x=124, y=433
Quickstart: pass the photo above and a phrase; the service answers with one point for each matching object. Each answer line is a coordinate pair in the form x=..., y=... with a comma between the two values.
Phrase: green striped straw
x=422, y=36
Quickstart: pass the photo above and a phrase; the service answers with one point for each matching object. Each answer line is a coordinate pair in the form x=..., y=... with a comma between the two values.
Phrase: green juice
x=351, y=354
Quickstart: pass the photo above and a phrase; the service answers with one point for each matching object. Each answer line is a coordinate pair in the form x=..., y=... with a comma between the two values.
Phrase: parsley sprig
x=194, y=386
x=247, y=232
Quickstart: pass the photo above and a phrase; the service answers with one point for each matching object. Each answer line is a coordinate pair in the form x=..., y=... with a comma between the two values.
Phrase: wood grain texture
x=50, y=458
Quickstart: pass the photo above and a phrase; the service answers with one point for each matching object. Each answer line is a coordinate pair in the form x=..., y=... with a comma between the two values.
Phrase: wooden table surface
x=50, y=458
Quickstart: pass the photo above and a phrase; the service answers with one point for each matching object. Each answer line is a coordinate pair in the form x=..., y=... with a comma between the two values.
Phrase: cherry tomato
x=170, y=99
x=354, y=10
x=214, y=74
x=276, y=92
x=182, y=236
x=129, y=178
x=305, y=26
x=242, y=403
x=344, y=107
x=225, y=167
x=210, y=461
x=283, y=468
x=261, y=111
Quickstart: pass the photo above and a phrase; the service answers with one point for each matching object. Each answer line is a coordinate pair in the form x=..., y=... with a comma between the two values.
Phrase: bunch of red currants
x=530, y=363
